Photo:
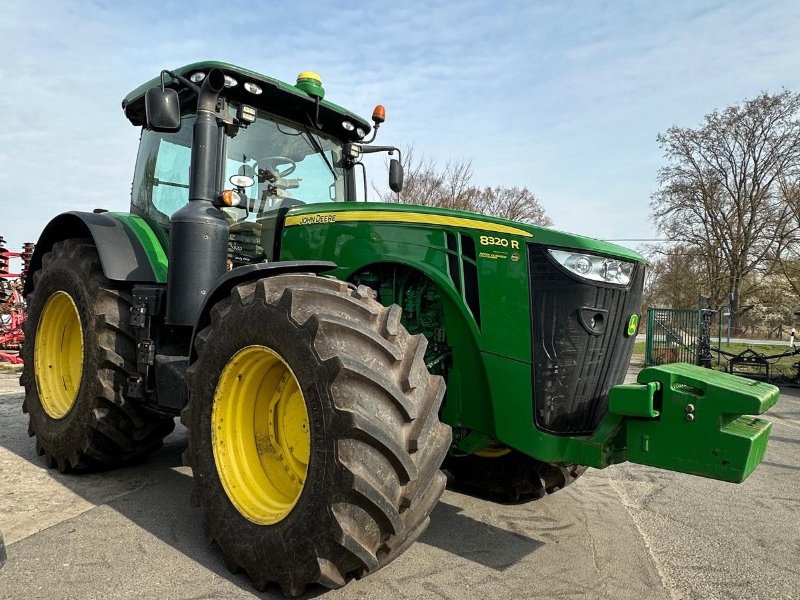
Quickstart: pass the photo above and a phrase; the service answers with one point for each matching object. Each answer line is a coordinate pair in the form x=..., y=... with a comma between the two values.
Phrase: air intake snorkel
x=199, y=231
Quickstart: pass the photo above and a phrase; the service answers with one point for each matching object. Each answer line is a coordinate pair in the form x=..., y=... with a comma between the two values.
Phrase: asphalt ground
x=624, y=532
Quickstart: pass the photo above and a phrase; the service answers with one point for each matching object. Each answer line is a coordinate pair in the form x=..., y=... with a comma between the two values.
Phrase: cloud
x=564, y=98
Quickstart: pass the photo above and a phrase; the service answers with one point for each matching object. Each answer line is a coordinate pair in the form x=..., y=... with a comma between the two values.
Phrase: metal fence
x=678, y=335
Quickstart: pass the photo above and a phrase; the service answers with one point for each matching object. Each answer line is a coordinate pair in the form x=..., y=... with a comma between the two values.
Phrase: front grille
x=573, y=367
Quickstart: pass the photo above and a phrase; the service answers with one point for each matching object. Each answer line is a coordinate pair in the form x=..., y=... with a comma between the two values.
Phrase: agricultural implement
x=758, y=365
x=306, y=338
x=12, y=304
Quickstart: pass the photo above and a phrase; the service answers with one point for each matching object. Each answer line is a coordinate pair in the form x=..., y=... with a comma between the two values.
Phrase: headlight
x=595, y=268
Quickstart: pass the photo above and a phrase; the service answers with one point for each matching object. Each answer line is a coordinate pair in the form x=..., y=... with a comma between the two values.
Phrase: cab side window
x=161, y=180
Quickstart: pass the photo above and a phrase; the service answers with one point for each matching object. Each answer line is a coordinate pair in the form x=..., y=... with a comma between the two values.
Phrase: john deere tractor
x=305, y=338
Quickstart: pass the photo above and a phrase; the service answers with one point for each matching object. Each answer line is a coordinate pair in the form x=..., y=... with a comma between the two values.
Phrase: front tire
x=314, y=437
x=78, y=352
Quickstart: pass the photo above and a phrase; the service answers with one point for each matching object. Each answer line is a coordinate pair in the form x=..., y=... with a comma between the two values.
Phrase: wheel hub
x=58, y=355
x=260, y=435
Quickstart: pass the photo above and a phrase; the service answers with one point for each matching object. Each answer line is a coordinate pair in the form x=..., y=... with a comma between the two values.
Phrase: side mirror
x=395, y=176
x=162, y=110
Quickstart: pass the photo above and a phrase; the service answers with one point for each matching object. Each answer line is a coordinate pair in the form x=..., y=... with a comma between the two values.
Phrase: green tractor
x=305, y=339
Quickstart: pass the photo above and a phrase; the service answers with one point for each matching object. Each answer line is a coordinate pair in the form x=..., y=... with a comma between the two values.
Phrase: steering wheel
x=273, y=161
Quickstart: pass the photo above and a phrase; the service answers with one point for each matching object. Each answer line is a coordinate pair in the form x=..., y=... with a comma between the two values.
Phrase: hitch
x=690, y=419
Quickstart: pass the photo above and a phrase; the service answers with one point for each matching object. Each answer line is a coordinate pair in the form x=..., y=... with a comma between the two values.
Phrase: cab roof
x=277, y=97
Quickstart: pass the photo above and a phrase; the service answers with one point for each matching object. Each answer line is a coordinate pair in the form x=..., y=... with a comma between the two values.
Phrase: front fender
x=129, y=249
x=224, y=285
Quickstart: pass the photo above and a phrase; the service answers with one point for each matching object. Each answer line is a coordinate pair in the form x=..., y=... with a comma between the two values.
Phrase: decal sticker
x=490, y=240
x=317, y=219
x=493, y=255
x=390, y=216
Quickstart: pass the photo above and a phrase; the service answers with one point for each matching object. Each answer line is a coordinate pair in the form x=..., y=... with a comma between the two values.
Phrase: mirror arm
x=372, y=149
x=190, y=84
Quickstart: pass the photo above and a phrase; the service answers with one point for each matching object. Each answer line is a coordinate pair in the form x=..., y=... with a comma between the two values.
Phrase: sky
x=564, y=98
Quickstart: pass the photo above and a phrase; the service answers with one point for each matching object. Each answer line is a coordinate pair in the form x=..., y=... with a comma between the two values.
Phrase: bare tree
x=770, y=305
x=787, y=254
x=427, y=184
x=676, y=277
x=517, y=204
x=720, y=192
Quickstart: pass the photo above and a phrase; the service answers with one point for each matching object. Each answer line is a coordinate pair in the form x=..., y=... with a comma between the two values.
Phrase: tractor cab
x=273, y=163
x=281, y=146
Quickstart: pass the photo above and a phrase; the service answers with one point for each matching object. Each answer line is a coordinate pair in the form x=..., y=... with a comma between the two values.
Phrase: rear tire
x=510, y=478
x=375, y=442
x=78, y=352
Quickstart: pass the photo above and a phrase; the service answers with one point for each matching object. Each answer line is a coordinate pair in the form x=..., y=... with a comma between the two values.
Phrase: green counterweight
x=683, y=418
x=704, y=426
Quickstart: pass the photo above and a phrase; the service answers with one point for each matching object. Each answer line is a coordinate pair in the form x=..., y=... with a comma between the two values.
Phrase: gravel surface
x=625, y=532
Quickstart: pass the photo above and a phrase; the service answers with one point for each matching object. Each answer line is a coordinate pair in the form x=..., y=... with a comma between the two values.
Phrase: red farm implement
x=12, y=304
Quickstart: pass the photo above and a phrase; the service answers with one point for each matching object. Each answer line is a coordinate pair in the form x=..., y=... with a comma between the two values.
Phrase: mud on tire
x=102, y=428
x=376, y=443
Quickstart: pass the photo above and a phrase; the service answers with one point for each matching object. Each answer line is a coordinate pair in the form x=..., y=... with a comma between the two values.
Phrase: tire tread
x=380, y=352
x=119, y=431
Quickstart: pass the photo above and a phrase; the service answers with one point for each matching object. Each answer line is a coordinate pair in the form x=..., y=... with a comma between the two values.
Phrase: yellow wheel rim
x=58, y=355
x=493, y=451
x=260, y=435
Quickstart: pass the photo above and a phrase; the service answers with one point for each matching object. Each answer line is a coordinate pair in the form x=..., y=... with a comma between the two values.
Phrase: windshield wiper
x=318, y=147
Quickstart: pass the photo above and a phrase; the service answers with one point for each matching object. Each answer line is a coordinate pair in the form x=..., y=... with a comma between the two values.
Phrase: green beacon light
x=311, y=83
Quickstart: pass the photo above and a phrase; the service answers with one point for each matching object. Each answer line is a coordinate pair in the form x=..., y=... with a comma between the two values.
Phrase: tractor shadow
x=154, y=495
x=476, y=541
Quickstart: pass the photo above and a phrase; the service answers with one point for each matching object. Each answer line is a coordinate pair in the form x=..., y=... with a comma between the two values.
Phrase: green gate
x=677, y=335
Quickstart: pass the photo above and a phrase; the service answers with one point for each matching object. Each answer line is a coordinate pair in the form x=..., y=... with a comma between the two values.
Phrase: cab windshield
x=290, y=164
